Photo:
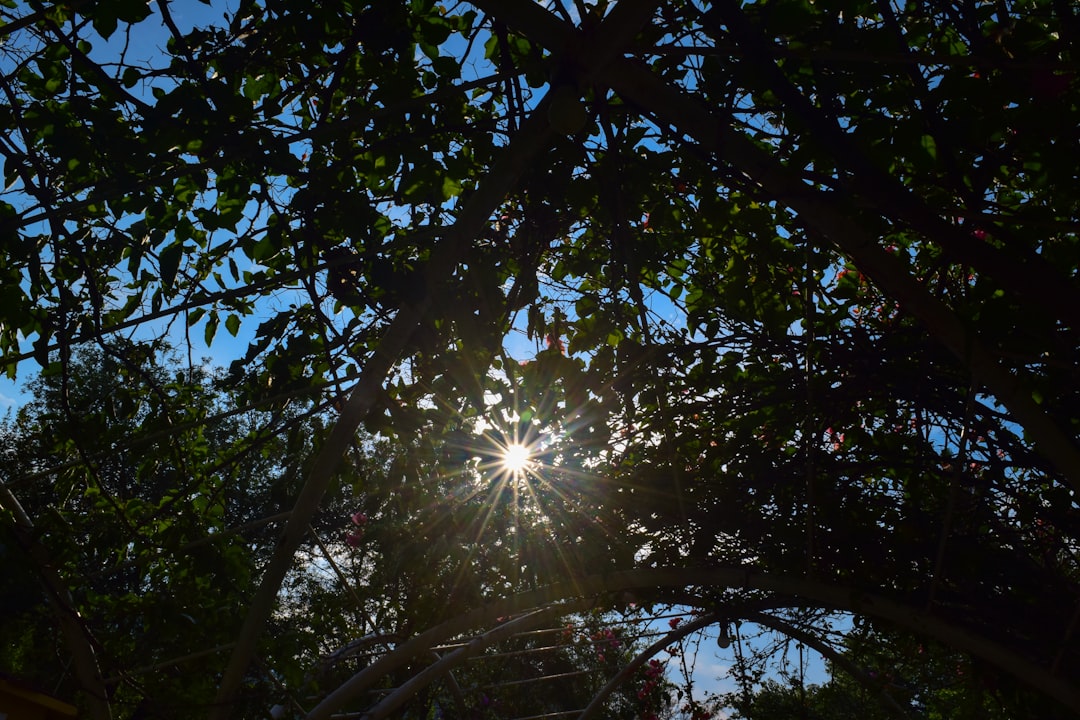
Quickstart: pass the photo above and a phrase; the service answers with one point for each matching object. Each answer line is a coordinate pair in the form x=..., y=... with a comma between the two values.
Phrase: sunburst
x=513, y=473
x=516, y=458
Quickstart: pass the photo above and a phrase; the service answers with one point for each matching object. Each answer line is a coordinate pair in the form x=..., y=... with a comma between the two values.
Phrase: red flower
x=353, y=539
x=674, y=622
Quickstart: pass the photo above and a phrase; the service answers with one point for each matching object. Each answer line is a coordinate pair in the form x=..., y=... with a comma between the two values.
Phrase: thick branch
x=1028, y=276
x=515, y=160
x=79, y=643
x=620, y=26
x=826, y=213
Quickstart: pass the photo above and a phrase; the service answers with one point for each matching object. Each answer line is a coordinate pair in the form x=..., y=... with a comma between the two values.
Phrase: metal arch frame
x=600, y=590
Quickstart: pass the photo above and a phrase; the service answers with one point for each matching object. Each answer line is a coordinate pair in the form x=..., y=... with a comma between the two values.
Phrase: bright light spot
x=516, y=458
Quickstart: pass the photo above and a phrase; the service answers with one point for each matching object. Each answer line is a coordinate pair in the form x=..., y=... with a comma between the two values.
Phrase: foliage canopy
x=787, y=285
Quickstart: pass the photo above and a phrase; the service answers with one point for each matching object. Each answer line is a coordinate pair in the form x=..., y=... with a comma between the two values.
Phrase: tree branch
x=514, y=161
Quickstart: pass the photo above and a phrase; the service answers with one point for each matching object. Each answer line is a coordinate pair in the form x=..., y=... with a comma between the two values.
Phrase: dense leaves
x=154, y=503
x=784, y=283
x=896, y=677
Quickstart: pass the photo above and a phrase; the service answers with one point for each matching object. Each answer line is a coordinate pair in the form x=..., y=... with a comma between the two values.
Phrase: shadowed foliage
x=788, y=285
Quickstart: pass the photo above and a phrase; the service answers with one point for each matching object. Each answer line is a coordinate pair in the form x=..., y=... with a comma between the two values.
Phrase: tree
x=801, y=279
x=919, y=679
x=154, y=490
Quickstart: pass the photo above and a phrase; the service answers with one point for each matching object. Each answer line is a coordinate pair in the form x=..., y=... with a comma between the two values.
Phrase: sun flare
x=516, y=458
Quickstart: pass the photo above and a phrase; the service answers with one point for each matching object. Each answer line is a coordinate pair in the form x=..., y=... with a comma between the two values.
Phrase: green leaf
x=450, y=187
x=211, y=328
x=105, y=23
x=169, y=263
x=186, y=189
x=929, y=145
x=131, y=77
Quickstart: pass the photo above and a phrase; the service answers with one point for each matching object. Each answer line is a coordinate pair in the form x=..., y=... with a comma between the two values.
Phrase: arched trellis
x=540, y=606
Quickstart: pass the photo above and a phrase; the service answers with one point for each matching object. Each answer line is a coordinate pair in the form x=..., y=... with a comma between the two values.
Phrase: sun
x=516, y=458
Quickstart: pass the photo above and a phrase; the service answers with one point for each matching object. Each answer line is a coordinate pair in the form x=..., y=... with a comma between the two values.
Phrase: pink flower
x=359, y=518
x=353, y=539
